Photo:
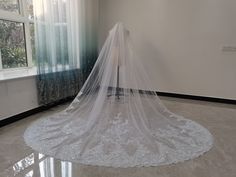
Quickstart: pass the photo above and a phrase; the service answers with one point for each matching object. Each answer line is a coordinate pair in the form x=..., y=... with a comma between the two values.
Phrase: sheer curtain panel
x=65, y=46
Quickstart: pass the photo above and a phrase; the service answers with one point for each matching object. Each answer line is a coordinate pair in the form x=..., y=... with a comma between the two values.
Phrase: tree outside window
x=16, y=34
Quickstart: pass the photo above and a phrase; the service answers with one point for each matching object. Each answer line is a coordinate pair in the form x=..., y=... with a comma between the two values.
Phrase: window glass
x=12, y=44
x=62, y=57
x=32, y=38
x=59, y=15
x=30, y=9
x=10, y=5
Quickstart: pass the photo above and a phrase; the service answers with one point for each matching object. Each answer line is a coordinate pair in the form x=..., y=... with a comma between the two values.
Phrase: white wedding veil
x=113, y=122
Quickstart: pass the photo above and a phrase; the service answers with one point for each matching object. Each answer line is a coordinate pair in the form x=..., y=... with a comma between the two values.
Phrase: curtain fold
x=66, y=46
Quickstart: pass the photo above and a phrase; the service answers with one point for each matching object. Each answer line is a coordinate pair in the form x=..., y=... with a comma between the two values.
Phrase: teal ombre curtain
x=66, y=46
x=88, y=35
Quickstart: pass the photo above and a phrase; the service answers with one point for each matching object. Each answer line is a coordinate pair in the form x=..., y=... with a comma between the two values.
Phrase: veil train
x=112, y=122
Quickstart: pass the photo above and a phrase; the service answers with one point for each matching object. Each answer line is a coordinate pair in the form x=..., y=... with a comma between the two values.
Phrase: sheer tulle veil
x=113, y=122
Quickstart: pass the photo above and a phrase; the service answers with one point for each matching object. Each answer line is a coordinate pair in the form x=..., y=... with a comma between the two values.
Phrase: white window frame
x=21, y=17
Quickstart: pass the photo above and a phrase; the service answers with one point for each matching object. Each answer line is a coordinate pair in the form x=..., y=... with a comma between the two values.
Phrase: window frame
x=21, y=17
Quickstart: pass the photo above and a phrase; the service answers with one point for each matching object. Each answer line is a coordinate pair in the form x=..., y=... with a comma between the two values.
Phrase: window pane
x=59, y=13
x=10, y=5
x=32, y=38
x=61, y=44
x=30, y=9
x=12, y=44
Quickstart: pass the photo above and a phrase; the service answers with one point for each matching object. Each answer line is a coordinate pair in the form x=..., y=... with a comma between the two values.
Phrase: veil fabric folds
x=112, y=122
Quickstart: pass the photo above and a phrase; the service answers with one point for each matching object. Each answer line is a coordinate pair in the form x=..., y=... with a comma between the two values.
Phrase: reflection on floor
x=19, y=160
x=37, y=164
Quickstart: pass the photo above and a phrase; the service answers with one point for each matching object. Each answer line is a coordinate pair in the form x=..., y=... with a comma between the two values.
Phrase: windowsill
x=18, y=73
x=11, y=74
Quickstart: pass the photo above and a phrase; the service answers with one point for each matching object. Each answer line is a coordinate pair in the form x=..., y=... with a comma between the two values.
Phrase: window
x=13, y=52
x=16, y=34
x=10, y=5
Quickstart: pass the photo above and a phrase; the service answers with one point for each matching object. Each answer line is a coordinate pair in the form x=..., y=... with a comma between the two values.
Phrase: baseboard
x=199, y=98
x=26, y=114
x=23, y=115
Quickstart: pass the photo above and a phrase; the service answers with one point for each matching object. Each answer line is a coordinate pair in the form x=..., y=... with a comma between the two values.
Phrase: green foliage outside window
x=12, y=44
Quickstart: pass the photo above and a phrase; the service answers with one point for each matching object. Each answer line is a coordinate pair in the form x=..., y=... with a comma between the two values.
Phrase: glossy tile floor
x=16, y=159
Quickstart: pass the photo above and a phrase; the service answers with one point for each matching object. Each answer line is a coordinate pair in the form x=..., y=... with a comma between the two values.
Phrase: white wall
x=180, y=41
x=17, y=96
